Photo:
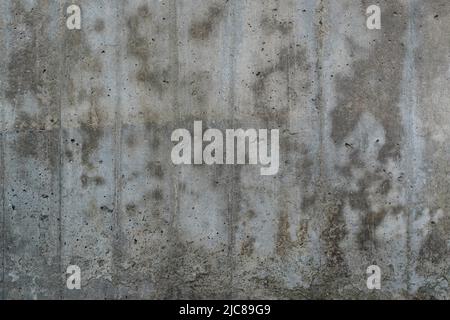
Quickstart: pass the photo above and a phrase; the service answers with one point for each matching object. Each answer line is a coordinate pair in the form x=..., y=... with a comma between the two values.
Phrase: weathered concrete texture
x=86, y=177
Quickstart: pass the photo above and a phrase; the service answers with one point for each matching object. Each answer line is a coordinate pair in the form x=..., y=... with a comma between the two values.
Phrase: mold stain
x=433, y=254
x=283, y=241
x=131, y=140
x=86, y=181
x=85, y=60
x=359, y=200
x=91, y=135
x=366, y=91
x=142, y=45
x=157, y=194
x=130, y=209
x=155, y=169
x=288, y=57
x=370, y=222
x=372, y=186
x=31, y=66
x=36, y=142
x=248, y=246
x=27, y=144
x=248, y=243
x=69, y=155
x=271, y=24
x=202, y=29
x=333, y=234
x=99, y=25
x=199, y=85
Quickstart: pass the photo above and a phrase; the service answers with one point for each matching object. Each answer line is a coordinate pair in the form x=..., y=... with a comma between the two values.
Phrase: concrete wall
x=86, y=178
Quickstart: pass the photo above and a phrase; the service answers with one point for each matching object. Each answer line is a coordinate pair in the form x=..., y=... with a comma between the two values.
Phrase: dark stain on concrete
x=202, y=29
x=99, y=25
x=248, y=246
x=157, y=194
x=371, y=184
x=366, y=90
x=141, y=44
x=41, y=145
x=69, y=155
x=271, y=24
x=130, y=140
x=432, y=258
x=155, y=169
x=287, y=58
x=33, y=62
x=155, y=142
x=283, y=237
x=199, y=84
x=28, y=144
x=333, y=233
x=91, y=135
x=84, y=59
x=130, y=209
x=86, y=181
x=370, y=221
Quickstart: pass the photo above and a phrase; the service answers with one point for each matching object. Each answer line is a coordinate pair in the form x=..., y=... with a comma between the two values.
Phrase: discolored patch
x=433, y=251
x=370, y=221
x=131, y=140
x=283, y=240
x=33, y=62
x=199, y=84
x=248, y=246
x=202, y=29
x=157, y=194
x=38, y=145
x=271, y=24
x=142, y=45
x=333, y=234
x=366, y=89
x=27, y=144
x=91, y=135
x=96, y=180
x=131, y=208
x=69, y=155
x=288, y=57
x=99, y=25
x=155, y=169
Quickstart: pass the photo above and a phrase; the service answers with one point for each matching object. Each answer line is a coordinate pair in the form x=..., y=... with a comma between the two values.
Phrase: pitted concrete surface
x=86, y=177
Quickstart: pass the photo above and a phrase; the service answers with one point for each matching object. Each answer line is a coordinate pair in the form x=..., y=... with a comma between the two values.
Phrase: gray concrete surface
x=86, y=178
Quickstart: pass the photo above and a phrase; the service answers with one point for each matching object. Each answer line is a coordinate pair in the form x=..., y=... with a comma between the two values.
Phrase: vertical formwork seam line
x=117, y=163
x=2, y=175
x=173, y=236
x=60, y=146
x=411, y=127
x=232, y=205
